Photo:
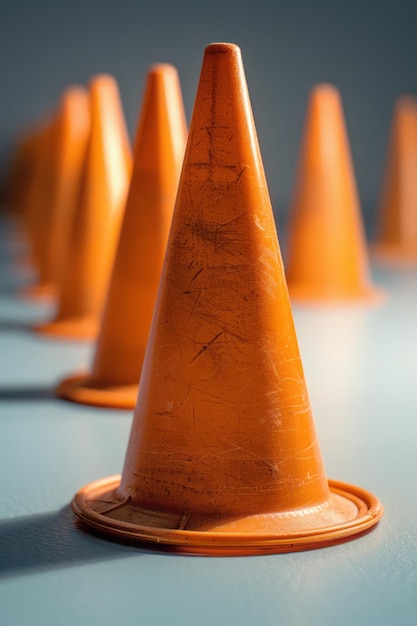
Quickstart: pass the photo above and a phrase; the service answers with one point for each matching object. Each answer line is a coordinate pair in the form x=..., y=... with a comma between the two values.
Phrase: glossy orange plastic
x=71, y=137
x=396, y=239
x=326, y=255
x=127, y=315
x=223, y=456
x=97, y=217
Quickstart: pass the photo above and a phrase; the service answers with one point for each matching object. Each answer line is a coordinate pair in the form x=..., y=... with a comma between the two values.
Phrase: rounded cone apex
x=396, y=239
x=222, y=48
x=223, y=456
x=326, y=255
x=127, y=314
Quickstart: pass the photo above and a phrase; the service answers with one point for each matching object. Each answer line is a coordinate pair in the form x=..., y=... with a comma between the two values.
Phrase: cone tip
x=325, y=101
x=325, y=91
x=102, y=82
x=73, y=89
x=222, y=48
x=104, y=95
x=73, y=93
x=162, y=69
x=407, y=103
x=73, y=113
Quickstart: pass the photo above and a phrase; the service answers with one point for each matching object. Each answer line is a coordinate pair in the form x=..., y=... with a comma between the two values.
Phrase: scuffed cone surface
x=223, y=419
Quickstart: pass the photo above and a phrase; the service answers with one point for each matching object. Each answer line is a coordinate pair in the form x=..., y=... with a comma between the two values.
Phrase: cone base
x=83, y=390
x=399, y=255
x=368, y=296
x=349, y=511
x=70, y=328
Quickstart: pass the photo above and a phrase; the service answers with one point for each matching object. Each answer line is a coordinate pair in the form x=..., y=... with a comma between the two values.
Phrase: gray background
x=367, y=48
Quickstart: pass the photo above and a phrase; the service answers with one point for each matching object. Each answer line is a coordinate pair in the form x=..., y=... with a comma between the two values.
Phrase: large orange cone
x=397, y=228
x=97, y=217
x=223, y=455
x=326, y=254
x=159, y=150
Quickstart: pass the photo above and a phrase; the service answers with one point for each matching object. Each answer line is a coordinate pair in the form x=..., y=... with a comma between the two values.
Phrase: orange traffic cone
x=66, y=148
x=72, y=132
x=326, y=254
x=223, y=455
x=97, y=217
x=159, y=150
x=397, y=228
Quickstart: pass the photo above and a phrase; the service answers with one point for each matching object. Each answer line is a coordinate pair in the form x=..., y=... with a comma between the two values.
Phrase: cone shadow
x=24, y=394
x=15, y=326
x=51, y=541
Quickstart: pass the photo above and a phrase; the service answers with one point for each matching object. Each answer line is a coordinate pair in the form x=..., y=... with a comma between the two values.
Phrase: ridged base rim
x=81, y=389
x=96, y=505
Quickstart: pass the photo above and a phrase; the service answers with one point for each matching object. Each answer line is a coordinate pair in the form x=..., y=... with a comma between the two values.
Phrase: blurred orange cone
x=396, y=239
x=159, y=150
x=72, y=132
x=326, y=254
x=223, y=455
x=97, y=217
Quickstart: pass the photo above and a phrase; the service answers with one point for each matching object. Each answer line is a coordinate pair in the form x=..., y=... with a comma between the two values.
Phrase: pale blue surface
x=361, y=370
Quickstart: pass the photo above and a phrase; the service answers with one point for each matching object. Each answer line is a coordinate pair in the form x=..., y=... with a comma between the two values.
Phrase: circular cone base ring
x=81, y=389
x=70, y=328
x=97, y=505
